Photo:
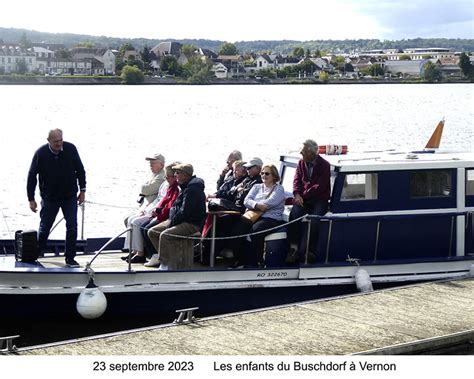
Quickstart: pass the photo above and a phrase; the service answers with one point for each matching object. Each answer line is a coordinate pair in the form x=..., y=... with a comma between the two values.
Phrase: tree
x=267, y=73
x=86, y=44
x=24, y=41
x=431, y=73
x=298, y=52
x=146, y=58
x=125, y=47
x=348, y=67
x=197, y=70
x=228, y=48
x=132, y=75
x=188, y=50
x=119, y=64
x=404, y=57
x=324, y=76
x=307, y=66
x=467, y=68
x=169, y=65
x=21, y=67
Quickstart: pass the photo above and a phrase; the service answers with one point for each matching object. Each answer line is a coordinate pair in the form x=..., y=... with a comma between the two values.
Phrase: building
x=408, y=68
x=103, y=55
x=15, y=59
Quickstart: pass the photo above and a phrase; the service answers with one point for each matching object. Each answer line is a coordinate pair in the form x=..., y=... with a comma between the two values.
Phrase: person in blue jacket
x=186, y=217
x=59, y=169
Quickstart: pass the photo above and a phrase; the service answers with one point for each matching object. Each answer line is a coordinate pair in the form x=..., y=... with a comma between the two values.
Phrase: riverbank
x=113, y=80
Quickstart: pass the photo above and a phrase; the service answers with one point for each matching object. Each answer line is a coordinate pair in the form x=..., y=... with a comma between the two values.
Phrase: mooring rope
x=6, y=223
x=109, y=205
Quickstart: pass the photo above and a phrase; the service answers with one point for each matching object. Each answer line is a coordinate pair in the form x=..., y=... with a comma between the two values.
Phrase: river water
x=115, y=127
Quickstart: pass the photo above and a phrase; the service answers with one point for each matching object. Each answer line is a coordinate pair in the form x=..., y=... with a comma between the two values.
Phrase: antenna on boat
x=435, y=139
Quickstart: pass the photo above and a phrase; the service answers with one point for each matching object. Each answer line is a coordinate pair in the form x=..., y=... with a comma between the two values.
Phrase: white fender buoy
x=363, y=281
x=91, y=302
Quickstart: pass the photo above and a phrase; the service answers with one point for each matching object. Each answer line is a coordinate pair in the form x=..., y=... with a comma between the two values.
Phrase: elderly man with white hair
x=311, y=190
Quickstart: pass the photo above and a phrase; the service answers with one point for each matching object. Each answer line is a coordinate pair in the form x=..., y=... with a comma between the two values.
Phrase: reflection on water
x=114, y=127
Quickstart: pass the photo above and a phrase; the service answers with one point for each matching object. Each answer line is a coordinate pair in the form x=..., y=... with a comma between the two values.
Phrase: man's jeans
x=48, y=213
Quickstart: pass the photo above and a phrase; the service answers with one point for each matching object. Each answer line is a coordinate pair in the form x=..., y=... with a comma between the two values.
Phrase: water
x=115, y=127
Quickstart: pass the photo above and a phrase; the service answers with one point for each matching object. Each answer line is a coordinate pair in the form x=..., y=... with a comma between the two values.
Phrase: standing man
x=59, y=169
x=311, y=190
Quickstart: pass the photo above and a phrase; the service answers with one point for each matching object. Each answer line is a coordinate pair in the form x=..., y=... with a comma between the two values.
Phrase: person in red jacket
x=311, y=190
x=141, y=246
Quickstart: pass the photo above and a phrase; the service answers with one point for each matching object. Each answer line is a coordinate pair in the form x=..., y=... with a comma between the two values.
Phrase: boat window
x=361, y=186
x=470, y=182
x=430, y=183
x=288, y=176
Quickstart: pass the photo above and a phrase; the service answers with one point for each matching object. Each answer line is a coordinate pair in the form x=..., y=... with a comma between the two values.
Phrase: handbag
x=251, y=216
x=216, y=205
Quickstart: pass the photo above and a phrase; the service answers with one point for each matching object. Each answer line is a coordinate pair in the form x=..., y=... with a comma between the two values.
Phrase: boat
x=395, y=218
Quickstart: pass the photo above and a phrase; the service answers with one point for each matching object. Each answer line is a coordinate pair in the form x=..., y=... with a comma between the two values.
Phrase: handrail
x=331, y=218
x=88, y=265
x=346, y=216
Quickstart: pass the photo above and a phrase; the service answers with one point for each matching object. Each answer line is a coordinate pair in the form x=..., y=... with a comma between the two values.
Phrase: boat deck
x=391, y=321
x=107, y=261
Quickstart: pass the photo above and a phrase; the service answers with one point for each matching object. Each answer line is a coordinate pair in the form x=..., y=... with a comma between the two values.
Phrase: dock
x=403, y=320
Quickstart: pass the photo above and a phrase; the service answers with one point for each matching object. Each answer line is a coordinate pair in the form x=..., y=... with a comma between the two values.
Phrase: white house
x=220, y=70
x=263, y=62
x=41, y=52
x=103, y=55
x=12, y=56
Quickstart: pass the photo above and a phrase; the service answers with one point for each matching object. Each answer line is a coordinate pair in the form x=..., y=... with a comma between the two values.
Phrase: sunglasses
x=263, y=173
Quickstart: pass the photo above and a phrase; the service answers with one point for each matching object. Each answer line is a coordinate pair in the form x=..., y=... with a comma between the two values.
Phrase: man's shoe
x=70, y=262
x=138, y=259
x=292, y=256
x=153, y=262
x=236, y=264
x=125, y=250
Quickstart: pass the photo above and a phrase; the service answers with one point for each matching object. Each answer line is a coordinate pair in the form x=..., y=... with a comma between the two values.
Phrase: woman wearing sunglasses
x=269, y=198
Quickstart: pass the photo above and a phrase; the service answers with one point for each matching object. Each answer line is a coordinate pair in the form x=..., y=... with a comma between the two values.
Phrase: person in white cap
x=150, y=192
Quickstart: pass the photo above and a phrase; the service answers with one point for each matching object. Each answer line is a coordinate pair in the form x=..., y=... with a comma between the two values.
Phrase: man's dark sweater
x=58, y=173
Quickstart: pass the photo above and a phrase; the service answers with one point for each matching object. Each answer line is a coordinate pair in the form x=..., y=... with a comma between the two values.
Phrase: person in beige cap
x=150, y=193
x=186, y=217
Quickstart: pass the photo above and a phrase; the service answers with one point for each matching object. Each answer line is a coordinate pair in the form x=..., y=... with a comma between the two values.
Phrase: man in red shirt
x=311, y=190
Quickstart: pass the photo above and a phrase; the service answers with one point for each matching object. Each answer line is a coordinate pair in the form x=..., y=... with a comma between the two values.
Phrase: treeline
x=283, y=47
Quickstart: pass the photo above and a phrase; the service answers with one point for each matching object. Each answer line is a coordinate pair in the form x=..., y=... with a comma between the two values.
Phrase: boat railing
x=98, y=252
x=331, y=218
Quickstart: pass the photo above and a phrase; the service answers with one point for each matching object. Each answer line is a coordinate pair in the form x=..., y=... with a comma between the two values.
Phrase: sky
x=246, y=20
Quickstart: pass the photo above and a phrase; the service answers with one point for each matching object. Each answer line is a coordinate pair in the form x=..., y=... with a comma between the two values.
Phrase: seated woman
x=159, y=214
x=269, y=198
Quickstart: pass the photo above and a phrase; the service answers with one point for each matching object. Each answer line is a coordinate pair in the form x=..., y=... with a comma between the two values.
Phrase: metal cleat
x=185, y=316
x=6, y=344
